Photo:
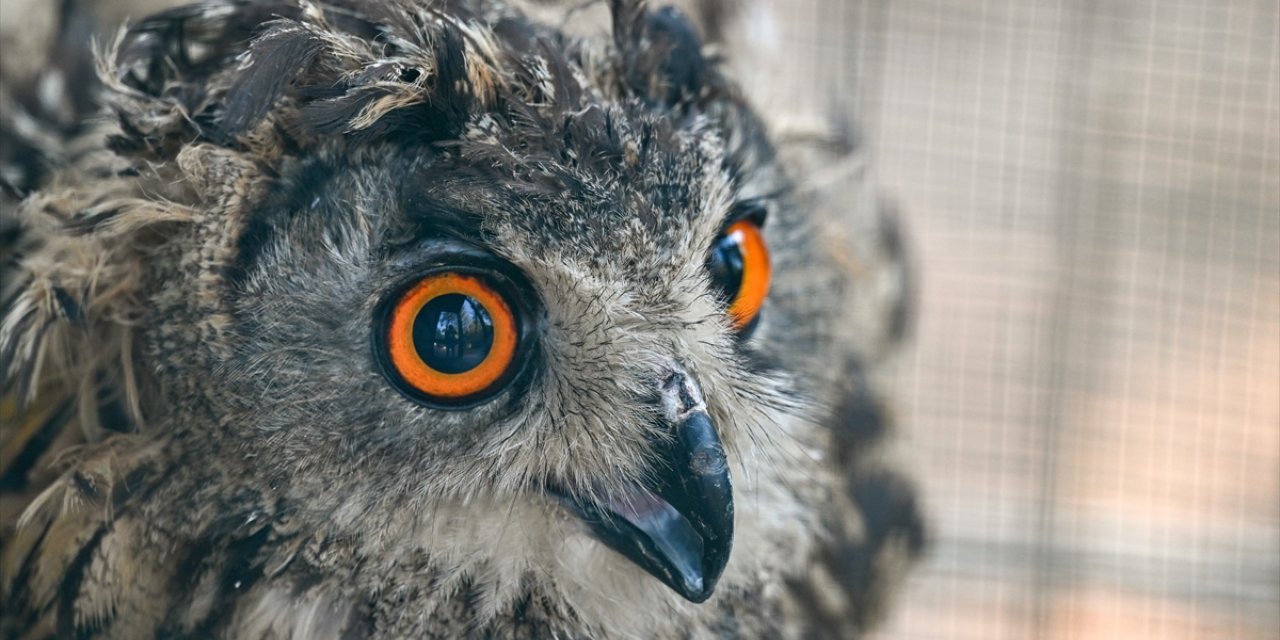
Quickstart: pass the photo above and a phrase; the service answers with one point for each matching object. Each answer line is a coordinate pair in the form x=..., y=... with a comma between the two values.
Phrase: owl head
x=443, y=282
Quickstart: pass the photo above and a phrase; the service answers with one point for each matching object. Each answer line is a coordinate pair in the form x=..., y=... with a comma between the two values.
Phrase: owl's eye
x=450, y=339
x=739, y=266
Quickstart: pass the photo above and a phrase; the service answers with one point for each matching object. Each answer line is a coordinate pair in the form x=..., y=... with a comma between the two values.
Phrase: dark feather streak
x=15, y=475
x=69, y=591
x=278, y=57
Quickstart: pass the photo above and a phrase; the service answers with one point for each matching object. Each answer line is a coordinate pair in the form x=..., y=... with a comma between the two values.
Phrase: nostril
x=680, y=395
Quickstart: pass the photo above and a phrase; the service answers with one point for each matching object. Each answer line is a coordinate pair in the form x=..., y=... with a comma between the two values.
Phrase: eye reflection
x=740, y=272
x=726, y=265
x=453, y=333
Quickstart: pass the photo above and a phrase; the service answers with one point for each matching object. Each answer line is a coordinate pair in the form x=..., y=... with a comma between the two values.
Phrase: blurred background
x=1092, y=398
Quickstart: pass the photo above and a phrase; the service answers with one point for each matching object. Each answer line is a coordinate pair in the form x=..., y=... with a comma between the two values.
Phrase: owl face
x=593, y=339
x=425, y=264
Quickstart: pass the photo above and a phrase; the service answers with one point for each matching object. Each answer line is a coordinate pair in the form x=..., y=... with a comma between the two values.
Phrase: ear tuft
x=662, y=56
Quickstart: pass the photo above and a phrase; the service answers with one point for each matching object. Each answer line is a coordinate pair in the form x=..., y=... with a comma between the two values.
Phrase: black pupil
x=453, y=333
x=726, y=265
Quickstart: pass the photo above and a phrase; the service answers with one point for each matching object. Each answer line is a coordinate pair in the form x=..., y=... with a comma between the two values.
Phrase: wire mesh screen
x=1092, y=401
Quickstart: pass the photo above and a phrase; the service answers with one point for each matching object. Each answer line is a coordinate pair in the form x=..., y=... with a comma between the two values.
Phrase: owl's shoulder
x=874, y=524
x=136, y=538
x=70, y=557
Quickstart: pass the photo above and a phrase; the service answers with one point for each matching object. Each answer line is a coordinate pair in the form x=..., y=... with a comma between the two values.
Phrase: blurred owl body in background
x=434, y=319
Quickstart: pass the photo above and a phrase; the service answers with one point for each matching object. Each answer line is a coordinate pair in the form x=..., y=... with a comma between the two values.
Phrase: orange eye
x=740, y=269
x=450, y=338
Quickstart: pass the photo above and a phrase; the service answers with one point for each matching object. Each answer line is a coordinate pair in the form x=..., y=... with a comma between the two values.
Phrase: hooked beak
x=678, y=526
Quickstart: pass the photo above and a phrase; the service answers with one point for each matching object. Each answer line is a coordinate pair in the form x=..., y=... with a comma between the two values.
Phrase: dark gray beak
x=678, y=526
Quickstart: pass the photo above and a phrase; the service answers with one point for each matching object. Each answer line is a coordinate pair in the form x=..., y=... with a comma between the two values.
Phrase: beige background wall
x=1093, y=397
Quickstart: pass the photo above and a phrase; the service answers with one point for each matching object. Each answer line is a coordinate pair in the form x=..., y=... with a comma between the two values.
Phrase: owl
x=436, y=318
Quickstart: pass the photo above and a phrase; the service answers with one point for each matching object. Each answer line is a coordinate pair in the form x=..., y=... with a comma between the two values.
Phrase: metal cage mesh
x=1092, y=399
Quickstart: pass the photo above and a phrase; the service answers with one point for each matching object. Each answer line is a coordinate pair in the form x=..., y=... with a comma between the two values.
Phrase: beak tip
x=693, y=589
